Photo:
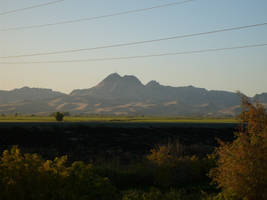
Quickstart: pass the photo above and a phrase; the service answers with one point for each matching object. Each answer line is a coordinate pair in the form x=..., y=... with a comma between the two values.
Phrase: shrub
x=140, y=175
x=156, y=194
x=166, y=153
x=82, y=182
x=30, y=177
x=153, y=194
x=175, y=169
x=241, y=170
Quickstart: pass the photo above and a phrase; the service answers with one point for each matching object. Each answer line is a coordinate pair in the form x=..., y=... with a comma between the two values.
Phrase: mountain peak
x=152, y=83
x=113, y=76
x=110, y=80
x=131, y=79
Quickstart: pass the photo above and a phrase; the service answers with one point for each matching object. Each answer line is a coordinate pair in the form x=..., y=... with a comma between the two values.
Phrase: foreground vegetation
x=116, y=119
x=235, y=171
x=28, y=176
x=241, y=170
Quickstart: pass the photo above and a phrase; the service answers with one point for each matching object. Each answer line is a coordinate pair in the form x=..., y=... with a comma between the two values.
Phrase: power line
x=136, y=42
x=96, y=17
x=139, y=56
x=30, y=7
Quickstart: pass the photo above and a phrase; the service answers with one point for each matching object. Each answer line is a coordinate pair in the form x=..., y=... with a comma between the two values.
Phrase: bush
x=82, y=182
x=174, y=169
x=241, y=170
x=30, y=177
x=153, y=194
x=156, y=194
x=140, y=175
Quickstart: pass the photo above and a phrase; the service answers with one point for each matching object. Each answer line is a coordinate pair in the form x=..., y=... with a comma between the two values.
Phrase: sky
x=242, y=70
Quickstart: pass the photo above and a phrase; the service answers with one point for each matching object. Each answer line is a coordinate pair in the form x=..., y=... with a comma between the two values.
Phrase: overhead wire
x=137, y=42
x=31, y=7
x=139, y=56
x=97, y=17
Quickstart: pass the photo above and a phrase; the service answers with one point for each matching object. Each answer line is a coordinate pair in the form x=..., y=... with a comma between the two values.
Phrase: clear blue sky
x=244, y=70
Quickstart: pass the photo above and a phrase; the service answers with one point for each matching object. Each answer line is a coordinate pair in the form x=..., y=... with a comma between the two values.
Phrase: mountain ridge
x=125, y=95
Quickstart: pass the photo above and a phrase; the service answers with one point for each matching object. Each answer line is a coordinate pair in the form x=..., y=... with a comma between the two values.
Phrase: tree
x=59, y=116
x=241, y=170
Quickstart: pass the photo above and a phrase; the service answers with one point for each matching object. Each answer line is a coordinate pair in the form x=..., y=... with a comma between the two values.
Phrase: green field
x=117, y=119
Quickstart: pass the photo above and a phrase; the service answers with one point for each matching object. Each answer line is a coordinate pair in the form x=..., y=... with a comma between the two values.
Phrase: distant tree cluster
x=59, y=116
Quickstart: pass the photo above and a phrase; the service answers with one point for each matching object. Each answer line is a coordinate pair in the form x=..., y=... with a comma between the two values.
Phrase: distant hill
x=27, y=93
x=261, y=98
x=117, y=95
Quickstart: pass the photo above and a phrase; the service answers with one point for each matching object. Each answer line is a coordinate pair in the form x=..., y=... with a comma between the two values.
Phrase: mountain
x=114, y=87
x=261, y=98
x=125, y=95
x=27, y=93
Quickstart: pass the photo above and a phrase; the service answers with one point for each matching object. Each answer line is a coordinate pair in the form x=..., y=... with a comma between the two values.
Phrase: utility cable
x=96, y=17
x=139, y=56
x=136, y=42
x=30, y=7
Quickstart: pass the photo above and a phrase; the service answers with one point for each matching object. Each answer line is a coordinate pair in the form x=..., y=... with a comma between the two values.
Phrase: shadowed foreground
x=126, y=141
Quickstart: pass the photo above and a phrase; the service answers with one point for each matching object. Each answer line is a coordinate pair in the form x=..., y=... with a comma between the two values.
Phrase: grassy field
x=117, y=119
